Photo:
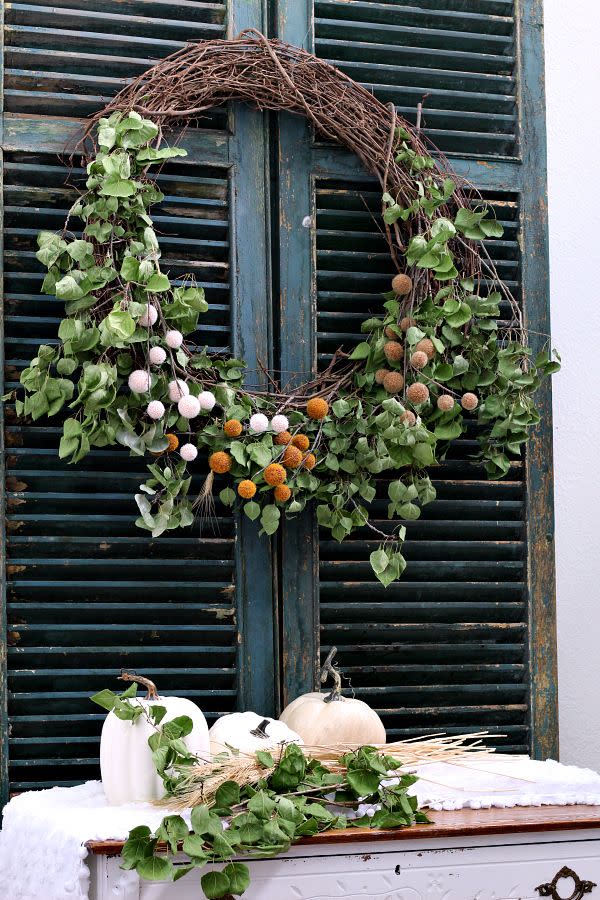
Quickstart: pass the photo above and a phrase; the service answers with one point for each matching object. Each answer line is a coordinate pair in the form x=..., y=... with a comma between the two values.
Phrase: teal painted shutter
x=86, y=592
x=465, y=640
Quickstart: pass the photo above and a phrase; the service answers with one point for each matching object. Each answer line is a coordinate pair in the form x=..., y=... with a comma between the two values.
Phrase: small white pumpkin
x=331, y=719
x=249, y=732
x=126, y=766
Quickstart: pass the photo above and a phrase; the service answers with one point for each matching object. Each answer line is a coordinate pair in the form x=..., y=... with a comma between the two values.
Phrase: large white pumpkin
x=330, y=719
x=249, y=732
x=126, y=766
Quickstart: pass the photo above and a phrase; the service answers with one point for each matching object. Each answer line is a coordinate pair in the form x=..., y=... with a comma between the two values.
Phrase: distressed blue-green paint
x=539, y=467
x=299, y=592
x=253, y=341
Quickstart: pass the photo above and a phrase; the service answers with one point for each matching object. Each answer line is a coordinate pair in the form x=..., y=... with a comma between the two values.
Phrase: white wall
x=572, y=36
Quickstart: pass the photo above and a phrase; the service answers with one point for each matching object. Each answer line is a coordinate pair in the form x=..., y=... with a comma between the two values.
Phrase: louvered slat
x=87, y=591
x=457, y=57
x=77, y=55
x=444, y=648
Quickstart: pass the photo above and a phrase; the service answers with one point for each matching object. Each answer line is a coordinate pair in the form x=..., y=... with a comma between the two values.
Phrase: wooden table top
x=456, y=823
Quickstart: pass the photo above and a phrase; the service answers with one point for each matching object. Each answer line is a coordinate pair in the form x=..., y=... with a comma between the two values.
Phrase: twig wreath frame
x=449, y=345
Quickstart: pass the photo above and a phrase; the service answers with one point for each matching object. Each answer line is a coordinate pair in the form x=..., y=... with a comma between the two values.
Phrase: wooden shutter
x=465, y=640
x=86, y=592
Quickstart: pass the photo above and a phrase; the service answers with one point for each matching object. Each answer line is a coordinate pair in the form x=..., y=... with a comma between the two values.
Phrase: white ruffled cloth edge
x=42, y=842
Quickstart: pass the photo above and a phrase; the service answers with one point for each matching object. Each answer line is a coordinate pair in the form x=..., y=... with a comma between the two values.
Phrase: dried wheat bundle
x=201, y=783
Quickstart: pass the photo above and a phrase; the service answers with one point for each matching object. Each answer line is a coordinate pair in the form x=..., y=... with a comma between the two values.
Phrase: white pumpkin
x=249, y=732
x=331, y=719
x=126, y=766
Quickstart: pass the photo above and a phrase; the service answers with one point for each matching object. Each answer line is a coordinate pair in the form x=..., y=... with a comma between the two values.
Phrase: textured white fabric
x=502, y=781
x=42, y=852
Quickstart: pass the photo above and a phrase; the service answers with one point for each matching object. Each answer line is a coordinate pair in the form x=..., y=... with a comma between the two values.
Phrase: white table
x=500, y=854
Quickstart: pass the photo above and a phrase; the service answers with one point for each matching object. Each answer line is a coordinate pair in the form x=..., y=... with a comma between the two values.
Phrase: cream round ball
x=188, y=452
x=157, y=356
x=174, y=339
x=279, y=424
x=149, y=317
x=139, y=381
x=207, y=400
x=177, y=390
x=155, y=409
x=189, y=407
x=258, y=423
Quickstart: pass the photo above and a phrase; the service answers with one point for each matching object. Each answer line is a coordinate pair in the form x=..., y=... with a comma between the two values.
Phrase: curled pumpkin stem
x=328, y=669
x=152, y=693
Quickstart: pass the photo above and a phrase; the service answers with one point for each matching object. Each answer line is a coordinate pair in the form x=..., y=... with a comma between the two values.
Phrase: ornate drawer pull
x=551, y=890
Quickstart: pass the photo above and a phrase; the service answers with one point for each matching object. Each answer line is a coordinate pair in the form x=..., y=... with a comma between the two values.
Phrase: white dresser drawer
x=504, y=872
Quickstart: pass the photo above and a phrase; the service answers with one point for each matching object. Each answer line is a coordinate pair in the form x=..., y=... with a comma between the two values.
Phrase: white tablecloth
x=42, y=852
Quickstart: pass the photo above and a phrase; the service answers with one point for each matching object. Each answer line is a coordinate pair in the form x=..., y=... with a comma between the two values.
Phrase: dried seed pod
x=406, y=323
x=402, y=284
x=393, y=351
x=419, y=359
x=408, y=417
x=445, y=402
x=393, y=382
x=427, y=347
x=417, y=393
x=469, y=401
x=380, y=375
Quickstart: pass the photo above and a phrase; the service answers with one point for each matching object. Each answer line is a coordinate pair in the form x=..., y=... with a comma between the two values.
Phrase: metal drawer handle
x=551, y=889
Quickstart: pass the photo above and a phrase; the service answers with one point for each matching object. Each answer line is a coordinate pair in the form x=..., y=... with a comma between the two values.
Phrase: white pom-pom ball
x=155, y=409
x=139, y=381
x=189, y=407
x=177, y=390
x=259, y=423
x=188, y=452
x=207, y=400
x=174, y=339
x=279, y=424
x=149, y=317
x=157, y=356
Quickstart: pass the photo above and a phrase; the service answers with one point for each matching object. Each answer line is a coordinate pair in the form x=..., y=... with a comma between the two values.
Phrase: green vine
x=293, y=800
x=435, y=360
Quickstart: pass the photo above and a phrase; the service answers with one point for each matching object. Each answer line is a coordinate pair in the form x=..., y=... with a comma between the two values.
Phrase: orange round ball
x=402, y=284
x=283, y=438
x=317, y=408
x=417, y=393
x=220, y=462
x=393, y=382
x=309, y=461
x=390, y=333
x=407, y=323
x=301, y=441
x=173, y=442
x=292, y=457
x=232, y=428
x=282, y=493
x=380, y=375
x=246, y=489
x=275, y=474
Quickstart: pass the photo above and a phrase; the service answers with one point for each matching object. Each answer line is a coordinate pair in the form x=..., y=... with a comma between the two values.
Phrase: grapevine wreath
x=448, y=348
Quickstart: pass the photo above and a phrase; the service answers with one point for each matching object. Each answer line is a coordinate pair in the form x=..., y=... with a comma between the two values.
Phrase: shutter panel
x=459, y=58
x=444, y=648
x=465, y=639
x=88, y=593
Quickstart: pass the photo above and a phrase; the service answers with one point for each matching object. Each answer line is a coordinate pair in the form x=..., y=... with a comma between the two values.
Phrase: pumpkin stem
x=261, y=729
x=149, y=685
x=327, y=670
